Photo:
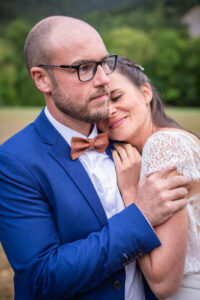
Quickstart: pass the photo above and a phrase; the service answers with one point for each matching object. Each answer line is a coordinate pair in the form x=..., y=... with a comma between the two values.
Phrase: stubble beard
x=81, y=112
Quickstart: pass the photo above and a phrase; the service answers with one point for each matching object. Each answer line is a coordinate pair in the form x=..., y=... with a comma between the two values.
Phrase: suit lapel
x=60, y=151
x=109, y=150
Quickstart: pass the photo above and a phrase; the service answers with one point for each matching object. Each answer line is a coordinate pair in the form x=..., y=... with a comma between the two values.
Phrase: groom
x=63, y=225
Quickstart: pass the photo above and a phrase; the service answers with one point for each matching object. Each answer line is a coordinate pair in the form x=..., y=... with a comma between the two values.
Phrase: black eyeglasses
x=87, y=70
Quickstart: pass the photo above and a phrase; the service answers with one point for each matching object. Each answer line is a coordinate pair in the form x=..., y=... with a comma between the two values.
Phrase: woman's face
x=129, y=116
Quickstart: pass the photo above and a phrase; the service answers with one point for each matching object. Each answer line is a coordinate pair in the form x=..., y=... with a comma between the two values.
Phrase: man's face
x=83, y=101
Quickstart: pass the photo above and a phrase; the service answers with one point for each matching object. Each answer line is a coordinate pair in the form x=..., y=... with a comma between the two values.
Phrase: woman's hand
x=128, y=163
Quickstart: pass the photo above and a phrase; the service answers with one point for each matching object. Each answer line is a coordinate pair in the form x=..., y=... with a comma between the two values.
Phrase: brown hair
x=136, y=75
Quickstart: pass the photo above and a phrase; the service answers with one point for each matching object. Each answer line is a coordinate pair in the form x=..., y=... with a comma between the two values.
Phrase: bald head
x=42, y=40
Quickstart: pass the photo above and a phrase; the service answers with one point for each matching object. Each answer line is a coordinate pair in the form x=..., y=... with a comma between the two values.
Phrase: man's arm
x=48, y=268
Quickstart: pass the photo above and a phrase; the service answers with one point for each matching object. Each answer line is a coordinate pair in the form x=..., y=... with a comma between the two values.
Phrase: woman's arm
x=163, y=267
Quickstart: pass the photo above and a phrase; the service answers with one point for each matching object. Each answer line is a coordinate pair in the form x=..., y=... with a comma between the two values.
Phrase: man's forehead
x=74, y=37
x=78, y=48
x=74, y=29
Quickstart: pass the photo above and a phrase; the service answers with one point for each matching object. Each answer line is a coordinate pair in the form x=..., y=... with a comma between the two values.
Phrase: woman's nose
x=112, y=109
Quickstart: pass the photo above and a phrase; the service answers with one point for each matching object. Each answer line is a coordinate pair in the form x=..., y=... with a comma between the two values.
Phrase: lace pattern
x=177, y=149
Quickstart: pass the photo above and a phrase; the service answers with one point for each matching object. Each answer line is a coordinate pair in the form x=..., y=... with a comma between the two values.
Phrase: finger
x=132, y=152
x=162, y=173
x=178, y=205
x=176, y=194
x=117, y=159
x=122, y=152
x=133, y=155
x=176, y=181
x=137, y=154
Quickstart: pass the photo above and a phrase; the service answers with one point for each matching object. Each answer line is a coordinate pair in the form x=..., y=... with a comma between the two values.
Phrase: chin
x=115, y=138
x=118, y=135
x=103, y=112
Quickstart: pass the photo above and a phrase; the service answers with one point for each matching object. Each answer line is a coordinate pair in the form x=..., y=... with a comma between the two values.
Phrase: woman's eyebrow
x=113, y=91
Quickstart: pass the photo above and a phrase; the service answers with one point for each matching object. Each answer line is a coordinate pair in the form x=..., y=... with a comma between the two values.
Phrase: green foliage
x=175, y=67
x=135, y=44
x=16, y=87
x=148, y=32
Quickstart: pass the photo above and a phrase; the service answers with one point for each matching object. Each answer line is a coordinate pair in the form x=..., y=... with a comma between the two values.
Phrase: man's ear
x=147, y=92
x=41, y=79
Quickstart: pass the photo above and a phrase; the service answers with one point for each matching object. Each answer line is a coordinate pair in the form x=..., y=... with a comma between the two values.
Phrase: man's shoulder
x=24, y=140
x=21, y=138
x=22, y=147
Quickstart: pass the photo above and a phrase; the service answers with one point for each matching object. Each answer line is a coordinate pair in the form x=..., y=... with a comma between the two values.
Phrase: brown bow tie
x=80, y=145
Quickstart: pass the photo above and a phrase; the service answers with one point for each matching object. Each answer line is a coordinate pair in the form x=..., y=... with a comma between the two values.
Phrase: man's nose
x=100, y=77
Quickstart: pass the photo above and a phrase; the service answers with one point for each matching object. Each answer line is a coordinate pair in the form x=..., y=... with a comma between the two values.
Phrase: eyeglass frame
x=77, y=67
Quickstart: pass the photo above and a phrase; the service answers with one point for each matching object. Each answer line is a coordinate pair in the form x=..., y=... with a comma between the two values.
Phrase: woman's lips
x=117, y=123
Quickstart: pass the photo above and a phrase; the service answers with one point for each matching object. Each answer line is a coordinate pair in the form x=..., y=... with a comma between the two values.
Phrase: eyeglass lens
x=88, y=70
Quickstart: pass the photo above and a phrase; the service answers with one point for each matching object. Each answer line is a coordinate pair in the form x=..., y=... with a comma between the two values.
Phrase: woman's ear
x=41, y=79
x=147, y=92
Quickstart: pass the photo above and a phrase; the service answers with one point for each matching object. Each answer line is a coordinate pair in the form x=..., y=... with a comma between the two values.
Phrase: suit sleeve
x=48, y=268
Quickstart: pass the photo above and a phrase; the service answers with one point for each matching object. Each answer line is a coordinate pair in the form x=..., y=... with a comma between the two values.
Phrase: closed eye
x=114, y=99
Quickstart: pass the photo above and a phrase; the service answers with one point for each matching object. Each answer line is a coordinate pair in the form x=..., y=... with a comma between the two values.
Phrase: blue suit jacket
x=53, y=227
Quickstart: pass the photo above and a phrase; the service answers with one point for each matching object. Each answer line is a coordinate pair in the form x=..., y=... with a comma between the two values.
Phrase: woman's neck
x=139, y=138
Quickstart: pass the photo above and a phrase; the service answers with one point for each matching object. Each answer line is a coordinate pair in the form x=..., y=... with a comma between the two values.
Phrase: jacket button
x=133, y=257
x=117, y=285
x=124, y=262
x=140, y=252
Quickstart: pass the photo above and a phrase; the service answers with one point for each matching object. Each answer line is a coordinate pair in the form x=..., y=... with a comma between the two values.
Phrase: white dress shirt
x=101, y=170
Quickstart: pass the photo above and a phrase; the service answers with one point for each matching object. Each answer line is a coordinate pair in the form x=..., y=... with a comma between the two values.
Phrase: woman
x=137, y=117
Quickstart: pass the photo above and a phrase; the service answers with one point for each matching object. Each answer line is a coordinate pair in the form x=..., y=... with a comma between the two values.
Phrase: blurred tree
x=7, y=75
x=16, y=86
x=147, y=31
x=133, y=43
x=175, y=68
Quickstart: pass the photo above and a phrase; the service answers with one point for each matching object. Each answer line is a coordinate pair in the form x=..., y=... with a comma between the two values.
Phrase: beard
x=76, y=110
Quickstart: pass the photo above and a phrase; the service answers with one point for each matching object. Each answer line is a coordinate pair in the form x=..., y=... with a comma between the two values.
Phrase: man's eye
x=114, y=99
x=105, y=62
x=85, y=68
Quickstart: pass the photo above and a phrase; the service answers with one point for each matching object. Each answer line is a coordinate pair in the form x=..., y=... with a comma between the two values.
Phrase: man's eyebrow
x=82, y=61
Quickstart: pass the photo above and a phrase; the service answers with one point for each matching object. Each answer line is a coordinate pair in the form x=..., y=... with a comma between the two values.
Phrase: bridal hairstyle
x=136, y=75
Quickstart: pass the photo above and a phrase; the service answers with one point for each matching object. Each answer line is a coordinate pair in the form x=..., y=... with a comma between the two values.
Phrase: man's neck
x=76, y=125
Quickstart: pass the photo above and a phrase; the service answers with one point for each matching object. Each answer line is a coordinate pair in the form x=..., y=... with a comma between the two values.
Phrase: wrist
x=129, y=196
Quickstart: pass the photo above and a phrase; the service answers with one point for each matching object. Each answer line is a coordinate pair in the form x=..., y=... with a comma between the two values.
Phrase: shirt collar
x=66, y=132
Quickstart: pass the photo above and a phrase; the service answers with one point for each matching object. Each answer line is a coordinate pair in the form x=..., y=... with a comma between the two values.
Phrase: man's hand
x=159, y=197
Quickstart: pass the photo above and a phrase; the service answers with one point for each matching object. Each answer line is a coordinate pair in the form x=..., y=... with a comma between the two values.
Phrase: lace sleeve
x=177, y=149
x=166, y=149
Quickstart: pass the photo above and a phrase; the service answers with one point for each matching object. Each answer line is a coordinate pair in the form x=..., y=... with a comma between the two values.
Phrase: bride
x=137, y=117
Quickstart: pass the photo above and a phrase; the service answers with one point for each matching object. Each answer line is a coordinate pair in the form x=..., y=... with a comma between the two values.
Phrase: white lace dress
x=165, y=149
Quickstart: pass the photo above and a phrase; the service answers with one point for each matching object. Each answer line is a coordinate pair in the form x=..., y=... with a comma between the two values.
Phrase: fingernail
x=116, y=143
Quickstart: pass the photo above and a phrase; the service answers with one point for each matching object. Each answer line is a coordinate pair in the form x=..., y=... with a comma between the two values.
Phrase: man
x=63, y=225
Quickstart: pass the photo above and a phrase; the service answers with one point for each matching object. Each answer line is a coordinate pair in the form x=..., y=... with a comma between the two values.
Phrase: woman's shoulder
x=167, y=137
x=174, y=134
x=171, y=147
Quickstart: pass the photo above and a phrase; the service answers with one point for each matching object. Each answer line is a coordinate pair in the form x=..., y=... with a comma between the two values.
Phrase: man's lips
x=116, y=123
x=100, y=97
